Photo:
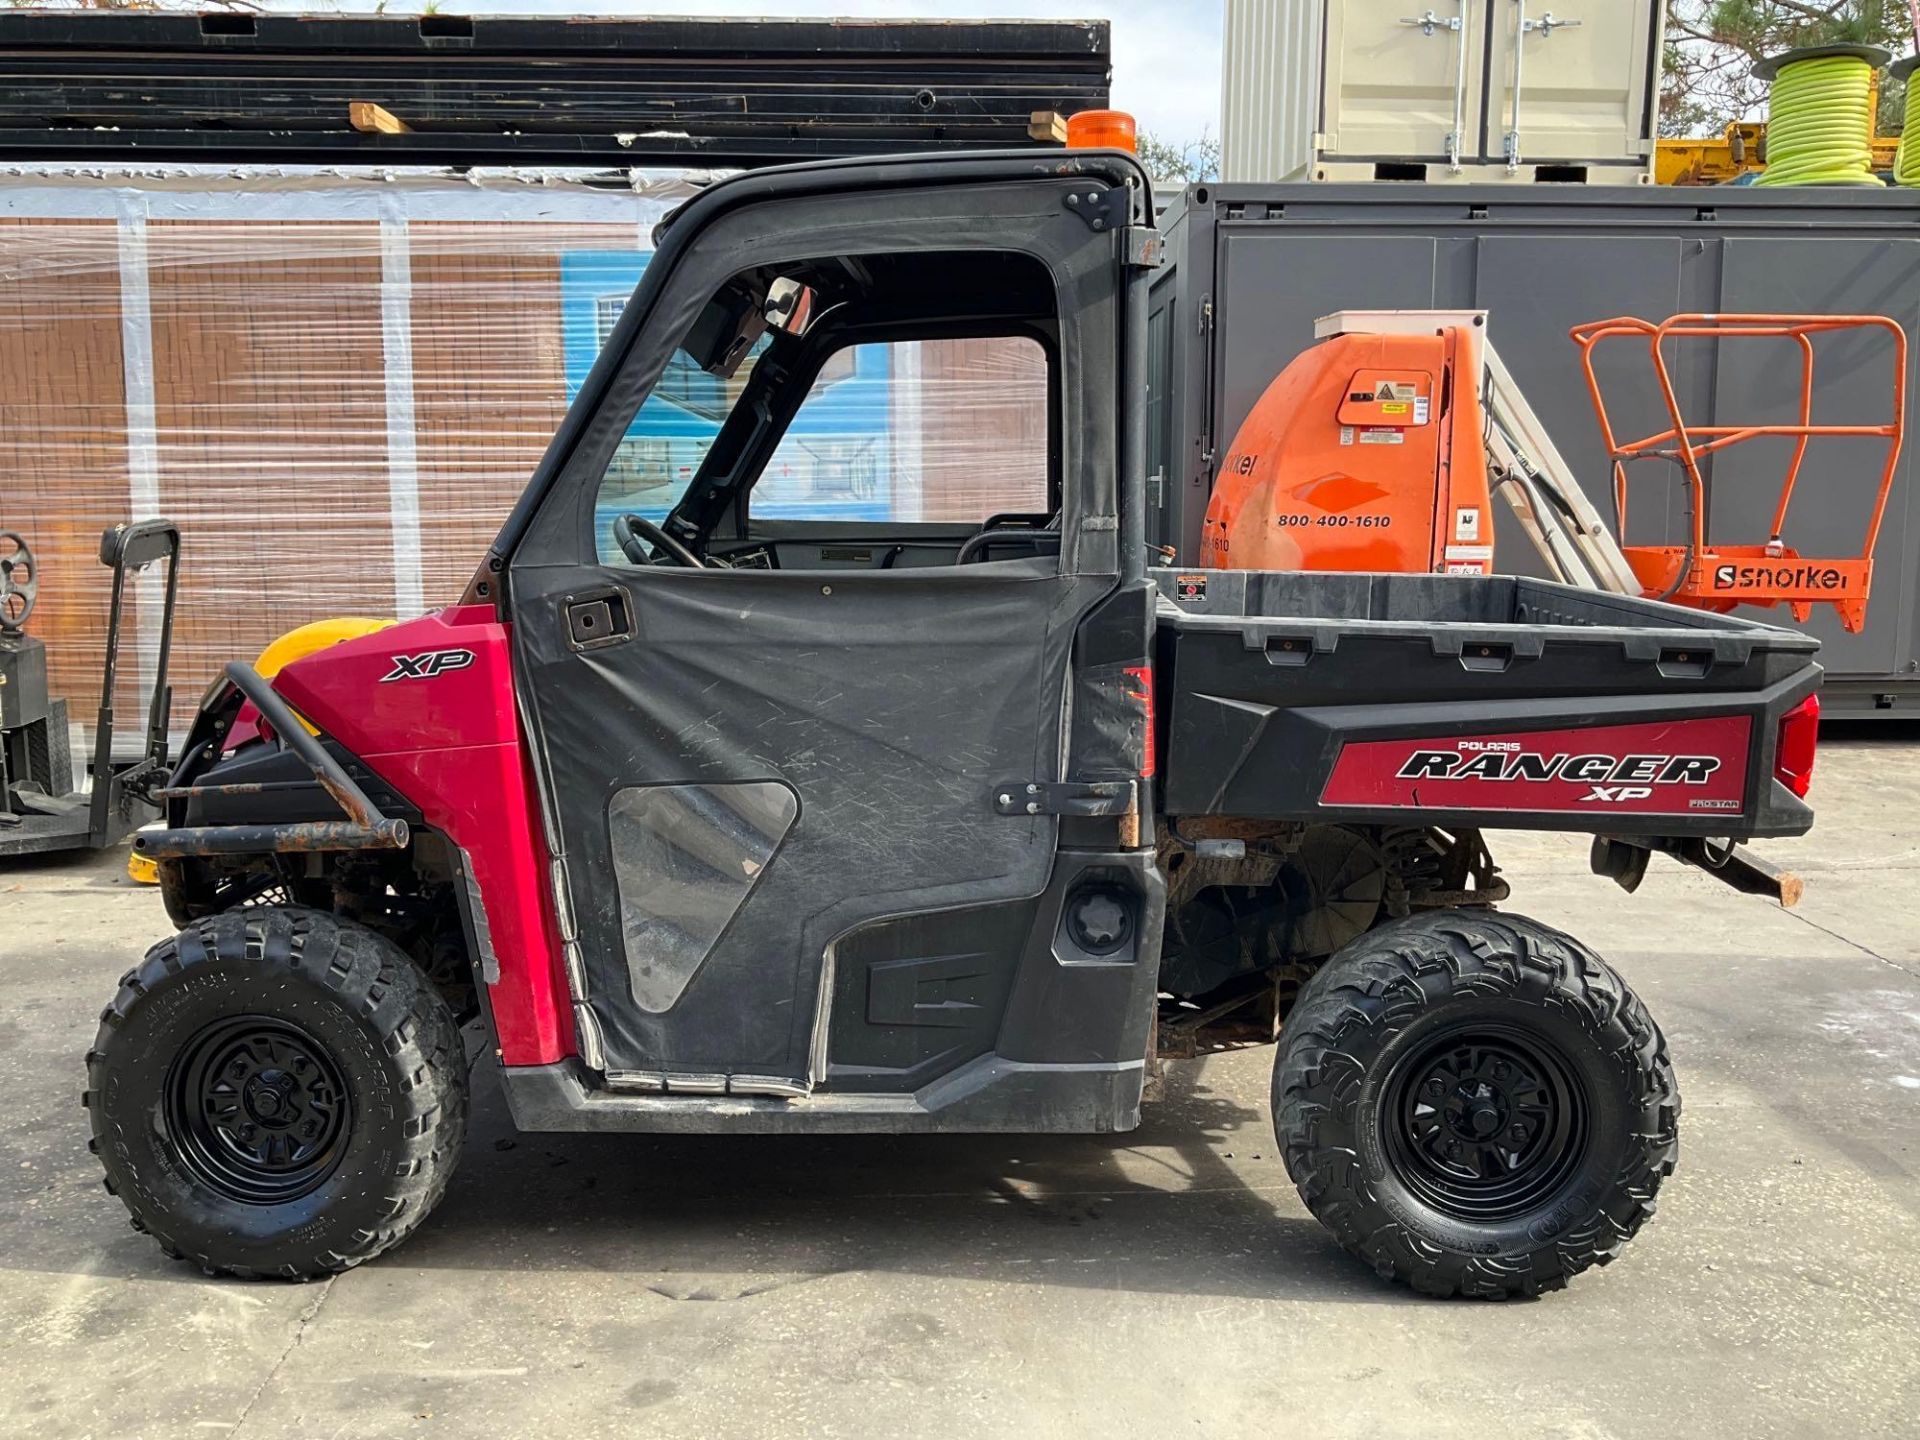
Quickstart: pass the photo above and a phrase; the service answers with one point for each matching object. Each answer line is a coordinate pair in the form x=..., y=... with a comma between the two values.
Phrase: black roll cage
x=679, y=231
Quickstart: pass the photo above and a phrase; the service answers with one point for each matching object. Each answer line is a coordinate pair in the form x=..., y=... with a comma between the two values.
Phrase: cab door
x=742, y=767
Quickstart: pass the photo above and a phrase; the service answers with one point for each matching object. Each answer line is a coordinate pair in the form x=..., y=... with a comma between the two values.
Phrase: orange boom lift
x=1364, y=454
x=1381, y=447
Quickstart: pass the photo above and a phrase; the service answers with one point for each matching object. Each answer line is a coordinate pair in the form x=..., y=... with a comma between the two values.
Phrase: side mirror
x=791, y=307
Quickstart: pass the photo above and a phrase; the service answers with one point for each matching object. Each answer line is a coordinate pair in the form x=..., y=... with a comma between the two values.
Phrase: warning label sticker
x=1374, y=435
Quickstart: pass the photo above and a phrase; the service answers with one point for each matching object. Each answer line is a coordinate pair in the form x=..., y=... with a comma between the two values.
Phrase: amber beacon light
x=1101, y=130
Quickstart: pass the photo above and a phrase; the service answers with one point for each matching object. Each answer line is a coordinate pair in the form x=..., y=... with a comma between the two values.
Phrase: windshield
x=671, y=435
x=676, y=426
x=943, y=430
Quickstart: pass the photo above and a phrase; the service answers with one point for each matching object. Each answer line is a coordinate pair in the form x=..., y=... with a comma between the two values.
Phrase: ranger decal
x=1679, y=767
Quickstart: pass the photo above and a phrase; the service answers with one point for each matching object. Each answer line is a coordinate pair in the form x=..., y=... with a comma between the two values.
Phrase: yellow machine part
x=297, y=644
x=302, y=641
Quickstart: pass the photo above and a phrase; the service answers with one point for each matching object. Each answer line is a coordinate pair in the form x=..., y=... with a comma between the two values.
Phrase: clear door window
x=916, y=431
x=685, y=858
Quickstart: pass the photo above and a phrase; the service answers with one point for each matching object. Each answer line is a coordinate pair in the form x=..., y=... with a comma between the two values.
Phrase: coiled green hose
x=1906, y=164
x=1820, y=120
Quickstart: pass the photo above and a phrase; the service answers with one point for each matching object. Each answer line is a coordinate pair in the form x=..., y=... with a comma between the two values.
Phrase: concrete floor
x=1168, y=1281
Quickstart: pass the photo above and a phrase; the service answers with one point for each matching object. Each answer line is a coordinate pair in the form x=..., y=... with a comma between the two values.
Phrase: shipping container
x=1251, y=267
x=1456, y=90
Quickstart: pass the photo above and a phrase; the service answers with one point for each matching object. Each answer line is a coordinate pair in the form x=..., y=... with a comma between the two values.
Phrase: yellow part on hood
x=299, y=643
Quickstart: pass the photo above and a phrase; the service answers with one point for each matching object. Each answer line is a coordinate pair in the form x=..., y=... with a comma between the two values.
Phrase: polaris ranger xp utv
x=719, y=820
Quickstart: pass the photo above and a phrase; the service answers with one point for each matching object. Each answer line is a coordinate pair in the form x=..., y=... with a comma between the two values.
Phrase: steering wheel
x=1041, y=533
x=19, y=581
x=632, y=533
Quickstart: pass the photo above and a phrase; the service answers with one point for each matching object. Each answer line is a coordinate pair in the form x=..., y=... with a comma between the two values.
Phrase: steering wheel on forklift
x=19, y=581
x=634, y=533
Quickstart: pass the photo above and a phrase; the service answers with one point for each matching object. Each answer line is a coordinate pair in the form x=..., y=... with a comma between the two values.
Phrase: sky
x=1166, y=53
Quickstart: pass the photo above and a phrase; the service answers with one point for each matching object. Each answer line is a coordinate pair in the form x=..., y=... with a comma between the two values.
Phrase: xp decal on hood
x=426, y=666
x=1676, y=767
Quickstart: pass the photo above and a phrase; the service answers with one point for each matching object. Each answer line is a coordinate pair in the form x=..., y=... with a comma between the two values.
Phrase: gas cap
x=1100, y=921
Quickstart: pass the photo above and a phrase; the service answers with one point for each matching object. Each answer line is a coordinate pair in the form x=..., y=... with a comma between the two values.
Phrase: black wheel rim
x=257, y=1110
x=1484, y=1123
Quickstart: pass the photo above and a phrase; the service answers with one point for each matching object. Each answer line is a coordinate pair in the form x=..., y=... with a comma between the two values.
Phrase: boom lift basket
x=1718, y=577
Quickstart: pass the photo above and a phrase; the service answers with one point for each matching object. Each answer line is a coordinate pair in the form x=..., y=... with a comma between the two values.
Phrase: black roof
x=140, y=86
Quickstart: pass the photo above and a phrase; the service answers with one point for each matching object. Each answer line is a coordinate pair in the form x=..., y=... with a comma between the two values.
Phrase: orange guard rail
x=1714, y=577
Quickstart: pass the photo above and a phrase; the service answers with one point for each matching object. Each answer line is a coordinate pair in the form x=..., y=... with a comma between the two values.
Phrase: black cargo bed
x=1324, y=696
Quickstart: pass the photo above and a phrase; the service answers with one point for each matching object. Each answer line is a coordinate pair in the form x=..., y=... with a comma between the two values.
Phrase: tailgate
x=1472, y=700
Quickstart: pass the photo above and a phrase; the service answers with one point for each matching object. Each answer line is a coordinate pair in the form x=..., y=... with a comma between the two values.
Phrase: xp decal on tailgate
x=1671, y=767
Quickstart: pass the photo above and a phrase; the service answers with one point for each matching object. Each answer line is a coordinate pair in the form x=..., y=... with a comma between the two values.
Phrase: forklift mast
x=39, y=812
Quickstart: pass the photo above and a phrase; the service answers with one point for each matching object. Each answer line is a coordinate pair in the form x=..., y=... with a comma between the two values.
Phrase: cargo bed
x=1469, y=700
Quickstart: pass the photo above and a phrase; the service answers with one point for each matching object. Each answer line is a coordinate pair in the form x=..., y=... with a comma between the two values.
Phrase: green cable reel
x=1906, y=163
x=1820, y=115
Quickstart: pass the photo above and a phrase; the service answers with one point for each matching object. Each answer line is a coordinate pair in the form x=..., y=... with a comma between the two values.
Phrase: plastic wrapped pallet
x=338, y=383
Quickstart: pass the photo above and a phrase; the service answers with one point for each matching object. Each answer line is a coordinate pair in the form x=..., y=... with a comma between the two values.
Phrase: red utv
x=719, y=820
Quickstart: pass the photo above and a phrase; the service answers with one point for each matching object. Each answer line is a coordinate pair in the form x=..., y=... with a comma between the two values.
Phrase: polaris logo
x=1612, y=778
x=1786, y=575
x=426, y=666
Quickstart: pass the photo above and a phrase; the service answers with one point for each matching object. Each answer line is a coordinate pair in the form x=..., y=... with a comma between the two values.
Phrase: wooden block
x=371, y=119
x=1047, y=126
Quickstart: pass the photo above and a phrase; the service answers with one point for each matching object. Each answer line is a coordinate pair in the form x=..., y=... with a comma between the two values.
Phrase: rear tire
x=1475, y=1104
x=277, y=1092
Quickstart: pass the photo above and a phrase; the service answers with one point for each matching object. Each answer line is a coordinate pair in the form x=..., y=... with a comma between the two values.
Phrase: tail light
x=1793, y=748
x=1142, y=677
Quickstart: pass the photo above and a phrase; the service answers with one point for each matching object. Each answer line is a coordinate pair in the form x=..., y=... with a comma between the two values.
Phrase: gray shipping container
x=1250, y=267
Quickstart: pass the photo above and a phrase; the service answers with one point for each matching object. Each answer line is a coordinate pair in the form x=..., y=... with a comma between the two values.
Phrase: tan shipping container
x=1440, y=90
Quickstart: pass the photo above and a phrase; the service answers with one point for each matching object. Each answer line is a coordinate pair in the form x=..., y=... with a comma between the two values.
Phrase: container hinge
x=1064, y=797
x=1105, y=208
x=1146, y=248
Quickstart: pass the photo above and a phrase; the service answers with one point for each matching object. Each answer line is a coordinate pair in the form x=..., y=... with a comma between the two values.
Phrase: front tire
x=277, y=1092
x=1475, y=1104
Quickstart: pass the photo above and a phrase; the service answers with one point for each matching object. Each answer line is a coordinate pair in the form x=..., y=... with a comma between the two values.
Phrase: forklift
x=39, y=811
